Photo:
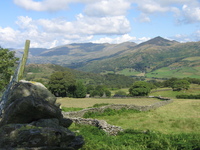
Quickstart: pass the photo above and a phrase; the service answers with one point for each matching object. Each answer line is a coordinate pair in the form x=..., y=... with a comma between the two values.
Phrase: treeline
x=42, y=72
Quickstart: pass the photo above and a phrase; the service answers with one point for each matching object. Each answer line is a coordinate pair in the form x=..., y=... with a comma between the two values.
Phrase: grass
x=181, y=116
x=129, y=72
x=182, y=72
x=172, y=94
x=192, y=58
x=175, y=126
x=96, y=139
x=89, y=102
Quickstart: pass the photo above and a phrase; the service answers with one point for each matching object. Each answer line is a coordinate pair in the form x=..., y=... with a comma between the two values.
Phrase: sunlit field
x=89, y=102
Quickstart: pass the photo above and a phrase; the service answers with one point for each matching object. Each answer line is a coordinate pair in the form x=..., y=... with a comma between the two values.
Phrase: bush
x=101, y=104
x=100, y=91
x=140, y=88
x=120, y=94
x=68, y=109
x=109, y=112
x=188, y=96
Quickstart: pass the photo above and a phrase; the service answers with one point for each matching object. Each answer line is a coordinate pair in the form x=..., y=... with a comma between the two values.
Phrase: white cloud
x=121, y=39
x=87, y=25
x=191, y=14
x=48, y=33
x=186, y=10
x=143, y=18
x=100, y=17
x=45, y=5
x=48, y=5
x=107, y=8
x=182, y=38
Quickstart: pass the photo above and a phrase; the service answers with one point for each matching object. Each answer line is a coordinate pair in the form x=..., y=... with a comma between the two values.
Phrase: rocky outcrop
x=32, y=120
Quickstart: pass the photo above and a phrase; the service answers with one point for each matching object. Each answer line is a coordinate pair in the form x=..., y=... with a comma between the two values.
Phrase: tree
x=107, y=93
x=7, y=61
x=100, y=91
x=181, y=84
x=80, y=90
x=120, y=93
x=90, y=88
x=60, y=83
x=169, y=82
x=140, y=88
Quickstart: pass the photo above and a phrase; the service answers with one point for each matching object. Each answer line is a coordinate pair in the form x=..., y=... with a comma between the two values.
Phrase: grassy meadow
x=180, y=72
x=171, y=127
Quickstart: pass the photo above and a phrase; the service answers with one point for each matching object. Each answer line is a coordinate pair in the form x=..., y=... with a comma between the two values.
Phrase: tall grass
x=181, y=116
x=130, y=139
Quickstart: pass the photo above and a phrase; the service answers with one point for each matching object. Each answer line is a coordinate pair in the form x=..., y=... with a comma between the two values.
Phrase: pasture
x=181, y=116
x=173, y=126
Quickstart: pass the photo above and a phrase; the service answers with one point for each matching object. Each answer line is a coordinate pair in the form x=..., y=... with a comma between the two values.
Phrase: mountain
x=77, y=53
x=172, y=59
x=127, y=58
x=158, y=41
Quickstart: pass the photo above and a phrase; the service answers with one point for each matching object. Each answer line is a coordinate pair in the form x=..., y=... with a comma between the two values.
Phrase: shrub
x=140, y=88
x=120, y=94
x=109, y=112
x=188, y=96
x=100, y=105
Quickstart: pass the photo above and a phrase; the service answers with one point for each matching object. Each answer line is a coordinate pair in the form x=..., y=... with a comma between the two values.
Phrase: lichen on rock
x=32, y=120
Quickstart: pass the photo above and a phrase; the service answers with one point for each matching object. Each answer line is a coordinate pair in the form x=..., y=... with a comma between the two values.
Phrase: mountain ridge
x=94, y=57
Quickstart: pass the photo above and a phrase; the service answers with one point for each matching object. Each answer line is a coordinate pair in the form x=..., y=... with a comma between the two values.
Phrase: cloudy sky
x=50, y=23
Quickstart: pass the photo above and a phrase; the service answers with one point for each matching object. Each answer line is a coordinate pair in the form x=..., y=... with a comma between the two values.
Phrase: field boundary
x=75, y=114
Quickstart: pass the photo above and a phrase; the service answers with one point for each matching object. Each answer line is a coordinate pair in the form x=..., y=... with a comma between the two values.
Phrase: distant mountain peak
x=159, y=41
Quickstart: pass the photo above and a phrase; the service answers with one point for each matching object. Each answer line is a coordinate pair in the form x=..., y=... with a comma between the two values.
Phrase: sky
x=51, y=23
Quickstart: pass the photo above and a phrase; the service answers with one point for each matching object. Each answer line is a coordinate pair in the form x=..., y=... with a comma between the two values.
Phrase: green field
x=89, y=102
x=179, y=72
x=130, y=72
x=175, y=126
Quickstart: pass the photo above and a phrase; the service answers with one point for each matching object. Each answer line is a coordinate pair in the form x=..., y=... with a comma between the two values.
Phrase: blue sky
x=50, y=23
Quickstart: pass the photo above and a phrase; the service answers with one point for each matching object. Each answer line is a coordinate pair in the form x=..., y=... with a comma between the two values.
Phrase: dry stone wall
x=76, y=116
x=81, y=113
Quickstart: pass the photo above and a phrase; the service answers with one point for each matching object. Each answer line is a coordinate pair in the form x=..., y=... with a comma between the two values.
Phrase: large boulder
x=32, y=120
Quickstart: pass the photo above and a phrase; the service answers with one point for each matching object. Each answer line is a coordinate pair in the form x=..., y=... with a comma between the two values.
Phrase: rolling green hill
x=151, y=60
x=155, y=58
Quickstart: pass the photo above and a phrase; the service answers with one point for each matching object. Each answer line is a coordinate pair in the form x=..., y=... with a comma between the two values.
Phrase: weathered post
x=23, y=61
x=18, y=75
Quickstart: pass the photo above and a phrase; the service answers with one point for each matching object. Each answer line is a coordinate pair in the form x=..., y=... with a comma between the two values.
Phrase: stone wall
x=76, y=116
x=81, y=113
x=101, y=124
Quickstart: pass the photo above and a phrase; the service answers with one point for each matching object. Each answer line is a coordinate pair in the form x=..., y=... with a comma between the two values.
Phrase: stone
x=32, y=120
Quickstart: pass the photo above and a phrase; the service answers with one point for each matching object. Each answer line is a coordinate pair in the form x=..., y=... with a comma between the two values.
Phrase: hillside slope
x=42, y=72
x=149, y=57
x=73, y=54
x=157, y=57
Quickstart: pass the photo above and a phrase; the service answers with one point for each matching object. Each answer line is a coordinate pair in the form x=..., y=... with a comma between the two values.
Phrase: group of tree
x=7, y=62
x=176, y=84
x=98, y=91
x=64, y=84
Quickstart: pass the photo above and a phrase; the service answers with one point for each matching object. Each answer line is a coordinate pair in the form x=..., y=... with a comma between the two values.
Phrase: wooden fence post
x=23, y=61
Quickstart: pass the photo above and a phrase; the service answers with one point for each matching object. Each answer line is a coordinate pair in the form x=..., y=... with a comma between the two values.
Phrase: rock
x=101, y=124
x=31, y=120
